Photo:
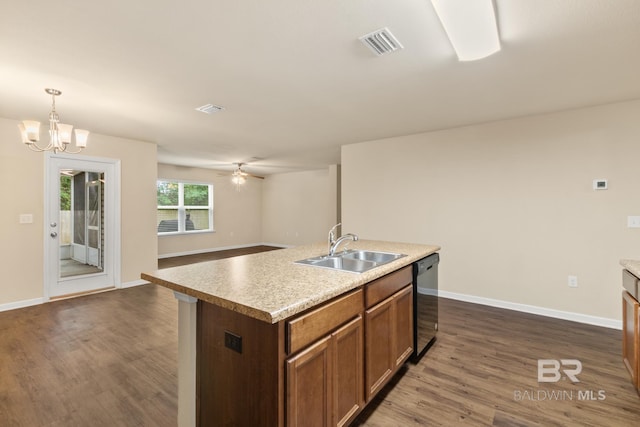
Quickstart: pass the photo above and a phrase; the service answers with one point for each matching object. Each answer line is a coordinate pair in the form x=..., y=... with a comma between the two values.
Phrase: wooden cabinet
x=318, y=368
x=310, y=386
x=348, y=390
x=324, y=381
x=389, y=328
x=631, y=337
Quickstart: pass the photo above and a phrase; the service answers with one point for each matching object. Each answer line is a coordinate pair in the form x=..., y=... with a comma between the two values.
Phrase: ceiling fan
x=239, y=176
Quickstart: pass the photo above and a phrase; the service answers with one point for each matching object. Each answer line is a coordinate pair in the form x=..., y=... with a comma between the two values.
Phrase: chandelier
x=59, y=133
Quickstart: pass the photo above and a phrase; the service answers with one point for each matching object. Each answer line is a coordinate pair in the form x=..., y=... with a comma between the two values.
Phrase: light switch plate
x=26, y=218
x=633, y=221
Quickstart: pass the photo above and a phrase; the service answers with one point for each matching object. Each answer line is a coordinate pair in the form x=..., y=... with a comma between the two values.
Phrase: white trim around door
x=104, y=271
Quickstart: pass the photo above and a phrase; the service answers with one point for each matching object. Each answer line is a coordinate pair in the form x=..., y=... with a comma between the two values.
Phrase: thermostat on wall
x=599, y=184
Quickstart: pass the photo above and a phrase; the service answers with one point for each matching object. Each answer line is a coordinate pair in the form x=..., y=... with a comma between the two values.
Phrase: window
x=184, y=207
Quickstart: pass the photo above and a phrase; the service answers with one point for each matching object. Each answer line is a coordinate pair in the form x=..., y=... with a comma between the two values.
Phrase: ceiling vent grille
x=381, y=42
x=210, y=108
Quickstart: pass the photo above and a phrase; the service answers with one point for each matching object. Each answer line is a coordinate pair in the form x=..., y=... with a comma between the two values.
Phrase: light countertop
x=632, y=265
x=268, y=286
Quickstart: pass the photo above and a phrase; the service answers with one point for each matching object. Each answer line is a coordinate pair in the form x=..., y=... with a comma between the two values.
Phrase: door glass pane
x=78, y=204
x=81, y=222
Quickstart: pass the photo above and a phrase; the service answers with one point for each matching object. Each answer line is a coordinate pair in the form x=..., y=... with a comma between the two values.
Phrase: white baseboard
x=133, y=283
x=220, y=248
x=532, y=309
x=21, y=304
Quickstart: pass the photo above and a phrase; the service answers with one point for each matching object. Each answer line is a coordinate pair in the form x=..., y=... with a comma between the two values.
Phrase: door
x=403, y=301
x=81, y=227
x=309, y=386
x=379, y=346
x=630, y=336
x=348, y=385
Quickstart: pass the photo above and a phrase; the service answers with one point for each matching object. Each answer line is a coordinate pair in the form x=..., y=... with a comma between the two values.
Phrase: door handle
x=54, y=234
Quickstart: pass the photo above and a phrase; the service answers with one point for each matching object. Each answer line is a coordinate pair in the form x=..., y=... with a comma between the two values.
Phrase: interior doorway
x=81, y=225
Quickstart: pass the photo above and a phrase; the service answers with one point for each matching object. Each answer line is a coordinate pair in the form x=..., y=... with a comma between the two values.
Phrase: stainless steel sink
x=352, y=261
x=377, y=257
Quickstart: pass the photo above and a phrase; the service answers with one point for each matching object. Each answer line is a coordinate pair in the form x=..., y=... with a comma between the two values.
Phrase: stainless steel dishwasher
x=425, y=304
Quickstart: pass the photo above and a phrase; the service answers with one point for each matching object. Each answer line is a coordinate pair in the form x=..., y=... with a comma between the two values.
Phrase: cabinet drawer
x=630, y=283
x=307, y=328
x=386, y=286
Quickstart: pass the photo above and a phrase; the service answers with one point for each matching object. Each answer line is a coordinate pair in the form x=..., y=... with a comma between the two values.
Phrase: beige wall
x=236, y=214
x=511, y=203
x=299, y=207
x=22, y=176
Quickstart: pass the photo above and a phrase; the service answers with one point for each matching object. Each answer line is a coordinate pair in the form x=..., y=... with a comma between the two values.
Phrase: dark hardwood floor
x=483, y=371
x=210, y=256
x=110, y=359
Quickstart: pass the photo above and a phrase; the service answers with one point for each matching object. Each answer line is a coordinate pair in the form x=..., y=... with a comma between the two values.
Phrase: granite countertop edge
x=632, y=265
x=270, y=287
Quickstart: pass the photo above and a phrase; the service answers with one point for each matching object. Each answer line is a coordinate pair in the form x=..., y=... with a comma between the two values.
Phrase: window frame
x=182, y=208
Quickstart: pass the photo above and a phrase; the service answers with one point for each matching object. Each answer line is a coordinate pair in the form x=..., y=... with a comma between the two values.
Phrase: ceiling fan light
x=471, y=27
x=82, y=136
x=238, y=179
x=30, y=131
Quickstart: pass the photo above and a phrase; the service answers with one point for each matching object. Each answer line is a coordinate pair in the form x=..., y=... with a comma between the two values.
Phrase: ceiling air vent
x=381, y=42
x=210, y=108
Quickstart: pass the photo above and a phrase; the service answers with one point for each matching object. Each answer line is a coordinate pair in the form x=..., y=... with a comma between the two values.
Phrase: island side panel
x=238, y=388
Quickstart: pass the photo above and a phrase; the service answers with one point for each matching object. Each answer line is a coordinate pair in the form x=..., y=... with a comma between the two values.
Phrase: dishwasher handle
x=427, y=263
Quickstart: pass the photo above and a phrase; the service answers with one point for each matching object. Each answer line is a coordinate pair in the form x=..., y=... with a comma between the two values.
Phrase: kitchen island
x=264, y=341
x=631, y=319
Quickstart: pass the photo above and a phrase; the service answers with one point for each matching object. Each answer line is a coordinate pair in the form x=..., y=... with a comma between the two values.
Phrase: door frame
x=112, y=194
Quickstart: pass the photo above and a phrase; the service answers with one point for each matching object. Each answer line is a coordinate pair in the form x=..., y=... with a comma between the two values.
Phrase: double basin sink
x=354, y=261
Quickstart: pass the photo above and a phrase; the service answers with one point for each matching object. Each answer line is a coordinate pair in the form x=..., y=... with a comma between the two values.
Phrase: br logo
x=549, y=370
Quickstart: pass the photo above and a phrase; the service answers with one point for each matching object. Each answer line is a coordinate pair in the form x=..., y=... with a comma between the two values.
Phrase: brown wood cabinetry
x=324, y=382
x=318, y=368
x=310, y=386
x=389, y=328
x=631, y=337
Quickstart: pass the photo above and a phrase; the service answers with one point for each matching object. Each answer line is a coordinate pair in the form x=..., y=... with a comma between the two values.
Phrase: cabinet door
x=348, y=391
x=403, y=302
x=379, y=346
x=631, y=336
x=310, y=386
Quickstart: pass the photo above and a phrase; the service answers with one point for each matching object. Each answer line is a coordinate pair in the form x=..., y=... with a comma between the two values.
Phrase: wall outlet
x=573, y=281
x=233, y=341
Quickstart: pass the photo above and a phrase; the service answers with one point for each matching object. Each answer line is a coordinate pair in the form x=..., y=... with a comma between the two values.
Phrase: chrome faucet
x=334, y=245
x=332, y=236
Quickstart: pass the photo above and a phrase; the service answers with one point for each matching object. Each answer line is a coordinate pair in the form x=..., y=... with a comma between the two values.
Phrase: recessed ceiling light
x=210, y=108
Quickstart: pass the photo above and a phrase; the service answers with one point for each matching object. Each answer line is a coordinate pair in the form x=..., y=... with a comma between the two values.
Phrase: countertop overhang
x=269, y=286
x=632, y=265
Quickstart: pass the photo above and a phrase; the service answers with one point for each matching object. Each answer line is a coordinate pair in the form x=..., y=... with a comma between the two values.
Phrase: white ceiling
x=296, y=82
